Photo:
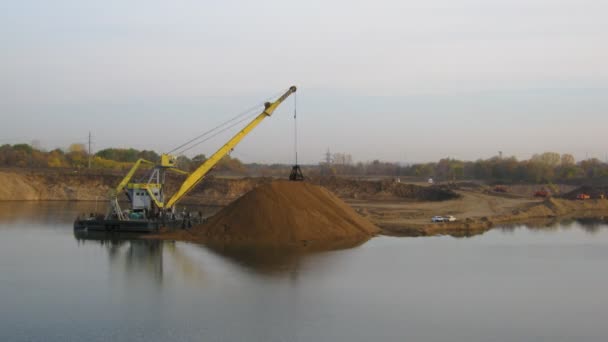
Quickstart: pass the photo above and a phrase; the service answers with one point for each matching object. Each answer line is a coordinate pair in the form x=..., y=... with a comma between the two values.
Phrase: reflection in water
x=131, y=253
x=64, y=211
x=127, y=251
x=591, y=225
x=275, y=260
x=46, y=212
x=134, y=254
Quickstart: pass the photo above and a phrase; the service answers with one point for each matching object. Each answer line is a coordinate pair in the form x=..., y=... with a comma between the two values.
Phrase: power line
x=89, y=149
x=328, y=157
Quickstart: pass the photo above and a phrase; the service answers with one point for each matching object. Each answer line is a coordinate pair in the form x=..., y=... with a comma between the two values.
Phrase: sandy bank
x=60, y=185
x=548, y=209
x=90, y=185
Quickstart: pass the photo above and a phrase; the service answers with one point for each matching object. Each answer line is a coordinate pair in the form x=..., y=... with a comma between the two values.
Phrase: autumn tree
x=567, y=160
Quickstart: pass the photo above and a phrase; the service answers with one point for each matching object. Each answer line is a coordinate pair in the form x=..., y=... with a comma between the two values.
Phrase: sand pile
x=286, y=213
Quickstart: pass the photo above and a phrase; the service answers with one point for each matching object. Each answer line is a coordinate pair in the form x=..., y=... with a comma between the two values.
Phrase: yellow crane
x=148, y=198
x=199, y=174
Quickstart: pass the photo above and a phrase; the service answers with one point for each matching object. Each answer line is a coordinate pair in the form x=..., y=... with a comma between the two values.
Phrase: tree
x=456, y=170
x=56, y=158
x=567, y=159
x=550, y=159
x=199, y=159
x=423, y=170
x=25, y=148
x=77, y=156
x=77, y=148
x=148, y=155
x=126, y=154
x=342, y=159
x=230, y=164
x=542, y=166
x=184, y=163
x=592, y=168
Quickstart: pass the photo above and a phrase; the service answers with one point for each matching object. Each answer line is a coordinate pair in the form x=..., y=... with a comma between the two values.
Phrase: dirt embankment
x=75, y=185
x=283, y=213
x=61, y=185
x=85, y=185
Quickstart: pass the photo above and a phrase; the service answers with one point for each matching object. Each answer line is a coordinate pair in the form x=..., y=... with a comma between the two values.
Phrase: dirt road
x=470, y=205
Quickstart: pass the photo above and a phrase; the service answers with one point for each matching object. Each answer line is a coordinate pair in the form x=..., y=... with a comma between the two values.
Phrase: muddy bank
x=59, y=185
x=90, y=185
x=85, y=185
x=549, y=209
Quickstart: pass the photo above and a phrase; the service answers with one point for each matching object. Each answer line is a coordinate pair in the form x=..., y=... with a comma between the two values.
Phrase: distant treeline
x=76, y=156
x=545, y=167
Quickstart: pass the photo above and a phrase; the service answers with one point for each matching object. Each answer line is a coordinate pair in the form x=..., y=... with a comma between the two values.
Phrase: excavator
x=150, y=207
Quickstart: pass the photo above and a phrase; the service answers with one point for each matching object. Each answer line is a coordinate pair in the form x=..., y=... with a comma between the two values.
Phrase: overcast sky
x=393, y=80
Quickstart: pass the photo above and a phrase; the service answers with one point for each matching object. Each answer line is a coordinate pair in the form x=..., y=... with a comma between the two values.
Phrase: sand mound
x=286, y=213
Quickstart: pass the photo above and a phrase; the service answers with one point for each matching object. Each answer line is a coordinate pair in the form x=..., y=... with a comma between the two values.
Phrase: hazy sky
x=392, y=80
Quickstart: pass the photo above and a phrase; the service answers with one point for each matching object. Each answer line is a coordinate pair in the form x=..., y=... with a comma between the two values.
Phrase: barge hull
x=131, y=226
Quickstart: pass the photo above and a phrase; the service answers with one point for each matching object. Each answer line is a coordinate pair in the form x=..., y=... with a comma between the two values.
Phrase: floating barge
x=101, y=224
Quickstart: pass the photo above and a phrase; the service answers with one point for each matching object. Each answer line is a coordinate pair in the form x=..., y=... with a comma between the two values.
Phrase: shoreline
x=549, y=211
x=399, y=209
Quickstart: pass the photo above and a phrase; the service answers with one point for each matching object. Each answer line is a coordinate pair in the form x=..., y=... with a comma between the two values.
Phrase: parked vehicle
x=583, y=196
x=437, y=219
x=449, y=218
x=541, y=193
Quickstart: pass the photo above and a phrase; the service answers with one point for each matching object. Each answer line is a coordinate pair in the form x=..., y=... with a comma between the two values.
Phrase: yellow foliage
x=79, y=148
x=101, y=163
x=55, y=162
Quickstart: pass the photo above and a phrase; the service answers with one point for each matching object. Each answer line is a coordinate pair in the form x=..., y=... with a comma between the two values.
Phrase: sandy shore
x=476, y=212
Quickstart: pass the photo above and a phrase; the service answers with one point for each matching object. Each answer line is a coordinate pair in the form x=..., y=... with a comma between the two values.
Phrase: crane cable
x=182, y=148
x=217, y=133
x=296, y=171
x=295, y=126
x=176, y=150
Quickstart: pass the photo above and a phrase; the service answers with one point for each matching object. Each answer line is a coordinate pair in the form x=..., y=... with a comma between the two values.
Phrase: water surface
x=509, y=284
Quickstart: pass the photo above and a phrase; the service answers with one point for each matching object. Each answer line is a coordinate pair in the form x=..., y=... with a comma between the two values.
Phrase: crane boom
x=129, y=175
x=199, y=174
